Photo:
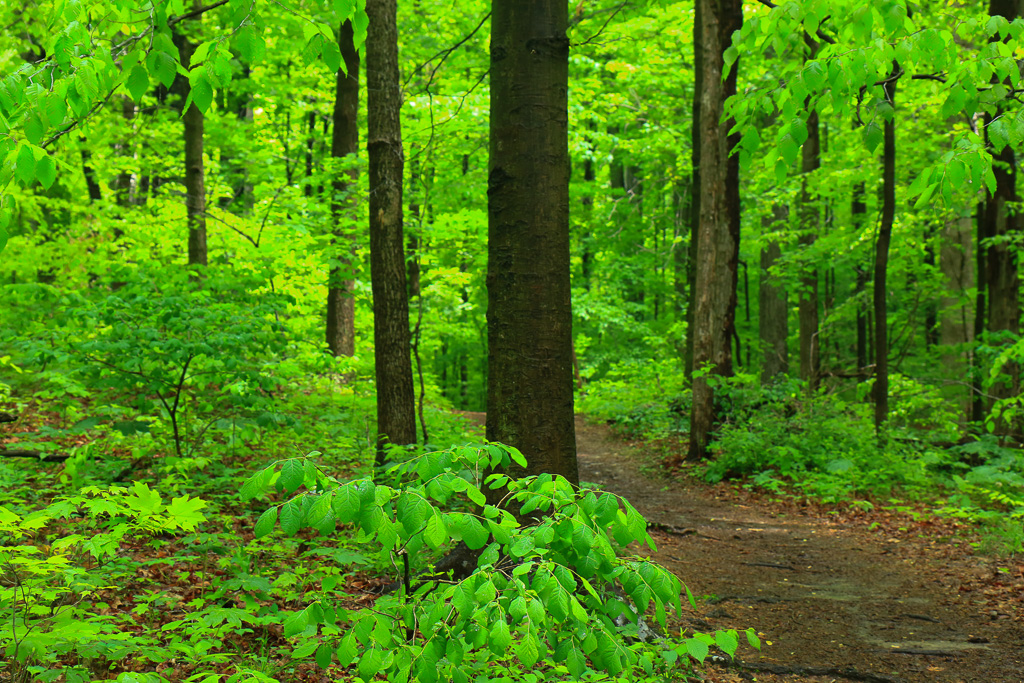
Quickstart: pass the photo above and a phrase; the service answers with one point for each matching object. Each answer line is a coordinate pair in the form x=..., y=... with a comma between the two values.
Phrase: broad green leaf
x=726, y=641
x=296, y=623
x=292, y=476
x=753, y=640
x=435, y=533
x=369, y=664
x=331, y=55
x=3, y=237
x=500, y=637
x=473, y=533
x=201, y=93
x=255, y=484
x=138, y=82
x=46, y=171
x=34, y=129
x=291, y=516
x=697, y=649
x=25, y=171
x=527, y=651
x=184, y=512
x=265, y=524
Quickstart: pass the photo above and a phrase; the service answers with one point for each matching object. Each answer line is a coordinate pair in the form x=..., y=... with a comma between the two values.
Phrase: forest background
x=812, y=284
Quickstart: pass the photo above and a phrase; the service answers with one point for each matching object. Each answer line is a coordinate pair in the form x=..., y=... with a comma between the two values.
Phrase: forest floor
x=854, y=595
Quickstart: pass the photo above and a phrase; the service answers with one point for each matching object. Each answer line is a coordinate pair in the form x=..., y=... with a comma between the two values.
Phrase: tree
x=717, y=250
x=340, y=328
x=529, y=318
x=396, y=417
x=195, y=186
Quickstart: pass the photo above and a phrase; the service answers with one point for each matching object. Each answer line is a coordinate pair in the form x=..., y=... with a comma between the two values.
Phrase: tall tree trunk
x=717, y=240
x=773, y=305
x=1003, y=224
x=195, y=189
x=882, y=260
x=695, y=187
x=529, y=316
x=396, y=416
x=341, y=327
x=810, y=348
x=980, y=264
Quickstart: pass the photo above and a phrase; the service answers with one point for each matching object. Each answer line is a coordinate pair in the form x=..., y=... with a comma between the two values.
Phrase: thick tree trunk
x=773, y=305
x=340, y=327
x=529, y=317
x=882, y=262
x=717, y=240
x=396, y=417
x=809, y=218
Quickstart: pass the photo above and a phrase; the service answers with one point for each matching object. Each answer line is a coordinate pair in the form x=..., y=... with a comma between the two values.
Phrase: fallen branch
x=39, y=455
x=7, y=417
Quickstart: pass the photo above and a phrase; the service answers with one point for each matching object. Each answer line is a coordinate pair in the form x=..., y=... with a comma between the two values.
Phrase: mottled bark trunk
x=529, y=317
x=718, y=239
x=695, y=132
x=882, y=262
x=340, y=324
x=773, y=305
x=396, y=418
x=809, y=219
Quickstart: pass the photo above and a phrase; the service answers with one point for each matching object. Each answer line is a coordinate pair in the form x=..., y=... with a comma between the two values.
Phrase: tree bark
x=695, y=188
x=1001, y=223
x=773, y=305
x=858, y=212
x=195, y=189
x=882, y=261
x=810, y=369
x=340, y=324
x=718, y=239
x=529, y=317
x=396, y=417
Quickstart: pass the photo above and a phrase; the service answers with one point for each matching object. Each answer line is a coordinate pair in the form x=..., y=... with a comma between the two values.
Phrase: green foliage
x=548, y=585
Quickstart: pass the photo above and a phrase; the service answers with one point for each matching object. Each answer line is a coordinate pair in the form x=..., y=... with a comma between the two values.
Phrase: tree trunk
x=1002, y=224
x=396, y=417
x=695, y=188
x=808, y=306
x=717, y=240
x=773, y=306
x=858, y=212
x=882, y=260
x=340, y=327
x=529, y=317
x=195, y=190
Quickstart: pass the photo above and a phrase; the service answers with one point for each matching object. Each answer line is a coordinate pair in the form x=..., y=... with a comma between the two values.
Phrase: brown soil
x=829, y=596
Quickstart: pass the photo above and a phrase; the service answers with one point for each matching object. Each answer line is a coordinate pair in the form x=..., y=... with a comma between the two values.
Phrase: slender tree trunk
x=810, y=350
x=981, y=262
x=858, y=212
x=396, y=416
x=195, y=189
x=529, y=317
x=717, y=240
x=773, y=305
x=882, y=261
x=341, y=327
x=695, y=186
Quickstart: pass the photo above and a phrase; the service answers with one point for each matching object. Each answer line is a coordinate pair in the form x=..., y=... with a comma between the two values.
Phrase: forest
x=521, y=340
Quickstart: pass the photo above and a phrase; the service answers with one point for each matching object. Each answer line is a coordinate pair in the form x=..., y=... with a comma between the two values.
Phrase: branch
x=194, y=13
x=824, y=37
x=445, y=53
x=42, y=457
x=603, y=26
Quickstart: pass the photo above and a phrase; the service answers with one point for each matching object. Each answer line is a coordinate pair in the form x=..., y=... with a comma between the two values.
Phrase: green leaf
x=324, y=655
x=34, y=129
x=873, y=135
x=255, y=484
x=296, y=623
x=473, y=533
x=727, y=641
x=291, y=516
x=292, y=476
x=500, y=637
x=369, y=664
x=753, y=640
x=184, y=512
x=475, y=495
x=697, y=649
x=163, y=66
x=331, y=55
x=201, y=93
x=4, y=236
x=527, y=651
x=25, y=170
x=138, y=82
x=46, y=171
x=265, y=524
x=435, y=533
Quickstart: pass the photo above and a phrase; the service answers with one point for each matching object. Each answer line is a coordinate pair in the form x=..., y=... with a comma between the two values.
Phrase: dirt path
x=825, y=594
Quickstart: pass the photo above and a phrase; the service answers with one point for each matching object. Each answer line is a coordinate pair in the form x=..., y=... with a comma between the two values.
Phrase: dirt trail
x=827, y=595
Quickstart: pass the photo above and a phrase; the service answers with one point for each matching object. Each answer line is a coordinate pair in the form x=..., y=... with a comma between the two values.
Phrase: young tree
x=396, y=417
x=195, y=181
x=717, y=250
x=529, y=319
